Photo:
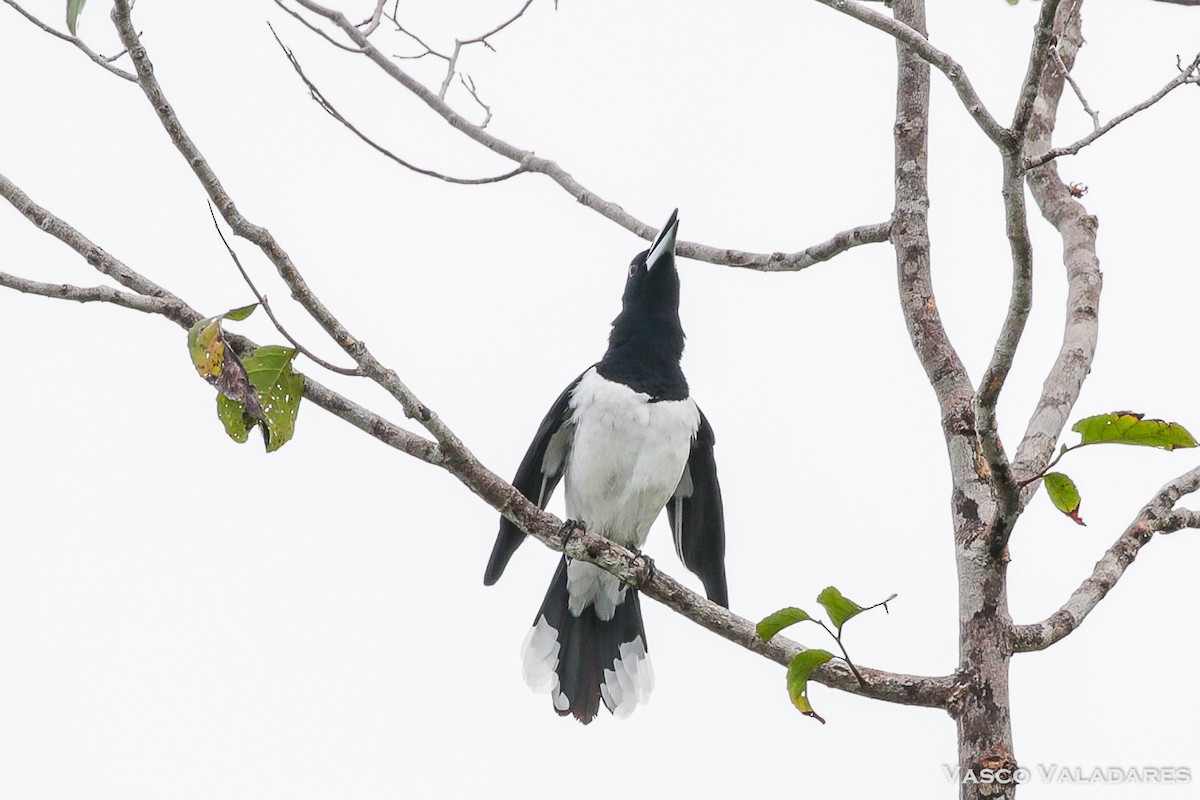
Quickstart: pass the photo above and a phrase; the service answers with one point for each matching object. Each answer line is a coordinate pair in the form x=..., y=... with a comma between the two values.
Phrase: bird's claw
x=649, y=569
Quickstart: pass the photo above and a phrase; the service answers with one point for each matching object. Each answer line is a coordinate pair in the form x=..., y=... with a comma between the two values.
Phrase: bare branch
x=1189, y=73
x=469, y=84
x=768, y=262
x=104, y=61
x=453, y=456
x=267, y=306
x=910, y=236
x=160, y=301
x=315, y=30
x=1179, y=519
x=452, y=61
x=1016, y=224
x=319, y=98
x=92, y=294
x=1091, y=112
x=920, y=45
x=575, y=542
x=1043, y=34
x=1065, y=379
x=91, y=253
x=356, y=349
x=369, y=24
x=1157, y=516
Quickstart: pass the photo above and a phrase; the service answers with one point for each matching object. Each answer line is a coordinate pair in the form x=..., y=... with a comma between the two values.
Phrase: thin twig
x=369, y=24
x=316, y=30
x=329, y=109
x=267, y=306
x=920, y=45
x=1091, y=112
x=452, y=455
x=469, y=85
x=1190, y=73
x=104, y=61
x=452, y=61
x=767, y=262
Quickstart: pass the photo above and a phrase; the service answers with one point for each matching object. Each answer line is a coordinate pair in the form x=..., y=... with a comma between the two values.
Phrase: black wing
x=536, y=478
x=698, y=518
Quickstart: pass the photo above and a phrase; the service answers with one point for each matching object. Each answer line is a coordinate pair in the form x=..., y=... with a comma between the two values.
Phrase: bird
x=627, y=439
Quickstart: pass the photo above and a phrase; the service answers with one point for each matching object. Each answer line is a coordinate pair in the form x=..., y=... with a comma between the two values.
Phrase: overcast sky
x=185, y=617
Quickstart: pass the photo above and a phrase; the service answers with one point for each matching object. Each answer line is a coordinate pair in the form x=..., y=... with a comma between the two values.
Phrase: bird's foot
x=568, y=528
x=648, y=568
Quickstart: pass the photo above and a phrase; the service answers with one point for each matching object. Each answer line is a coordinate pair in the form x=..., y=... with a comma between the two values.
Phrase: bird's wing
x=538, y=475
x=698, y=518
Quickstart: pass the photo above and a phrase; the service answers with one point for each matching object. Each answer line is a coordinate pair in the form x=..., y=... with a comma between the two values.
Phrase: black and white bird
x=628, y=440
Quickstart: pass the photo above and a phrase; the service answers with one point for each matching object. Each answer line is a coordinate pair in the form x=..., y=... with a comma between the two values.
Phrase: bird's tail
x=583, y=659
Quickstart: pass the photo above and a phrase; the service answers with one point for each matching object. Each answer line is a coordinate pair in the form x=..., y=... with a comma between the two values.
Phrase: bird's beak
x=663, y=249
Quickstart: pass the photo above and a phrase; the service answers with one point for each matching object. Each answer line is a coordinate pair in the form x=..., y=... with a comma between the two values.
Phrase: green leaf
x=239, y=314
x=798, y=673
x=837, y=606
x=1063, y=494
x=235, y=419
x=73, y=9
x=280, y=389
x=1128, y=427
x=781, y=619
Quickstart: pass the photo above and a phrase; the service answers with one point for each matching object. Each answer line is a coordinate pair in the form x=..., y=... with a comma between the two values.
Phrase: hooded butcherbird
x=628, y=440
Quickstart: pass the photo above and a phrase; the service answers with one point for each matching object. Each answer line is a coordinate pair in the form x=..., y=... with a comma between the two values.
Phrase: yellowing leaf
x=1128, y=427
x=206, y=345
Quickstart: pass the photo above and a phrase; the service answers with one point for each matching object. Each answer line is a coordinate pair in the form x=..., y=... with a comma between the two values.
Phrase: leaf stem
x=837, y=637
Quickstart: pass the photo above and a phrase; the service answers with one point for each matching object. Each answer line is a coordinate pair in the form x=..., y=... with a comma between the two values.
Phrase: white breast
x=626, y=459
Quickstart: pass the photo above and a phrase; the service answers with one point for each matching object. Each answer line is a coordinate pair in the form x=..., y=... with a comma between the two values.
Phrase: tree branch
x=453, y=456
x=452, y=61
x=1157, y=516
x=103, y=61
x=1043, y=34
x=575, y=542
x=319, y=98
x=262, y=300
x=1187, y=74
x=910, y=237
x=1065, y=379
x=161, y=301
x=92, y=294
x=919, y=44
x=1075, y=87
x=369, y=24
x=529, y=162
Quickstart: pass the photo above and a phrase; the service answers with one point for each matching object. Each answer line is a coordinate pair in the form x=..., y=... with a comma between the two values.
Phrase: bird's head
x=646, y=341
x=652, y=288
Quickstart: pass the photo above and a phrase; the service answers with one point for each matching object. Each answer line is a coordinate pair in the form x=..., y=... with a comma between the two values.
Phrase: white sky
x=184, y=617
